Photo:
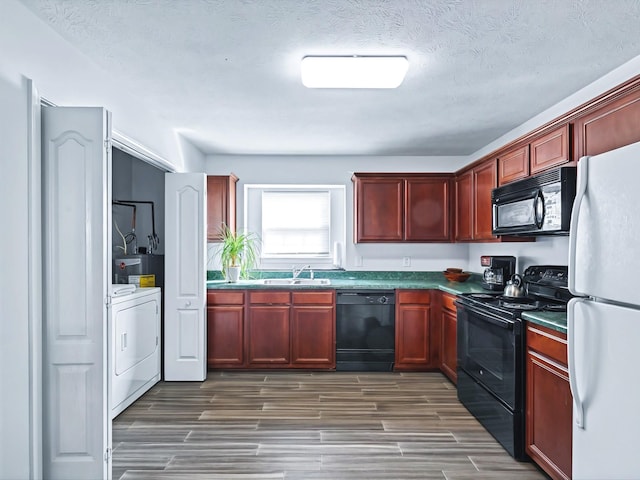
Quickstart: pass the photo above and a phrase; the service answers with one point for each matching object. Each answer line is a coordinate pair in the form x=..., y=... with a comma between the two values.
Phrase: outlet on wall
x=358, y=260
x=406, y=261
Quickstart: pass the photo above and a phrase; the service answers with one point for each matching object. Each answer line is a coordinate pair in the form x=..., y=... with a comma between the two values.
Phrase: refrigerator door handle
x=571, y=354
x=581, y=191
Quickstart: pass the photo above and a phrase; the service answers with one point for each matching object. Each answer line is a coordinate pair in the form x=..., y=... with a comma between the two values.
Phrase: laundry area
x=135, y=321
x=138, y=221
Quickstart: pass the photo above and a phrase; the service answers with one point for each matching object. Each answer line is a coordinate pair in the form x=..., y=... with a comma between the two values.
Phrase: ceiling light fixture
x=353, y=71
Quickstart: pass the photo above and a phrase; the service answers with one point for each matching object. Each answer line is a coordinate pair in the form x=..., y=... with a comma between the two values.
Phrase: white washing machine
x=135, y=350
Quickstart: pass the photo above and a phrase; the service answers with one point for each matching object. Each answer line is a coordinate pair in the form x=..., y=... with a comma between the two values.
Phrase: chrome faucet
x=297, y=271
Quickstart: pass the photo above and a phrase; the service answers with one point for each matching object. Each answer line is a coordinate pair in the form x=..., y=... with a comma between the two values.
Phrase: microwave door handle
x=538, y=209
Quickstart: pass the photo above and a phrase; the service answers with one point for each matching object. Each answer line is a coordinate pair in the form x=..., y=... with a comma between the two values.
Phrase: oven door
x=489, y=350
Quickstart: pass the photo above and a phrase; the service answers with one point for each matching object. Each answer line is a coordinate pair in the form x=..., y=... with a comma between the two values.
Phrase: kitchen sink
x=296, y=281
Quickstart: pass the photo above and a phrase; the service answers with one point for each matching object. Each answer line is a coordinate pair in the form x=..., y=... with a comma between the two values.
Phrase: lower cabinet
x=549, y=402
x=271, y=329
x=313, y=330
x=268, y=333
x=417, y=335
x=225, y=329
x=449, y=334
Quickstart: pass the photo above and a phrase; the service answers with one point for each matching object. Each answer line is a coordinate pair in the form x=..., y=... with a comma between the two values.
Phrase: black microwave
x=538, y=205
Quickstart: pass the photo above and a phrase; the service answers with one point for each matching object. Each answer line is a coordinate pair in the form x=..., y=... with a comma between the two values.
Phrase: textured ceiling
x=226, y=72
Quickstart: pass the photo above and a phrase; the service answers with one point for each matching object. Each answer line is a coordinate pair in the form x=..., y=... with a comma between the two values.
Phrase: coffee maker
x=499, y=270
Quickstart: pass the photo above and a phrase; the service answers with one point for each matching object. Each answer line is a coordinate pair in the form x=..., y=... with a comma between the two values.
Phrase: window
x=297, y=223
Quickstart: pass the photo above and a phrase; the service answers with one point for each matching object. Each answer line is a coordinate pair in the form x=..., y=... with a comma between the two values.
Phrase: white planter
x=233, y=274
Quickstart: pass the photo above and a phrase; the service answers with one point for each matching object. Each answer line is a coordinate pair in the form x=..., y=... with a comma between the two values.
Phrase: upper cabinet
x=551, y=150
x=612, y=125
x=402, y=207
x=379, y=208
x=513, y=165
x=221, y=204
x=473, y=202
x=544, y=152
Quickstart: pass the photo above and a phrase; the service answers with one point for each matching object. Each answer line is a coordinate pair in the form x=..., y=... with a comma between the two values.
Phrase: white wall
x=66, y=77
x=337, y=170
x=14, y=279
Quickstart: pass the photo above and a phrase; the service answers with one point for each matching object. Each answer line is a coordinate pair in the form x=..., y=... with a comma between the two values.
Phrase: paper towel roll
x=337, y=254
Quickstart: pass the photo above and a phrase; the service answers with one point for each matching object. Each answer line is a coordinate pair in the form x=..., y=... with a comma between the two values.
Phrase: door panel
x=77, y=275
x=185, y=278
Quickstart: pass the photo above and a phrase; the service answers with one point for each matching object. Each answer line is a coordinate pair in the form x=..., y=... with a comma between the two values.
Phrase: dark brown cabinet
x=416, y=336
x=402, y=207
x=291, y=329
x=612, y=125
x=485, y=179
x=313, y=322
x=550, y=150
x=464, y=206
x=549, y=402
x=449, y=338
x=513, y=165
x=225, y=329
x=221, y=204
x=379, y=206
x=268, y=329
x=473, y=202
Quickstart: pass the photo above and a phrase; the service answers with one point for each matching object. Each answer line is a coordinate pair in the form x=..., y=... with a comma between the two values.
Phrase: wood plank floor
x=289, y=425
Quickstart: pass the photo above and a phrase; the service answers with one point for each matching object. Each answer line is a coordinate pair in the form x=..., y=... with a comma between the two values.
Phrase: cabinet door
x=485, y=179
x=379, y=209
x=268, y=332
x=449, y=346
x=611, y=126
x=413, y=330
x=225, y=336
x=513, y=165
x=221, y=204
x=313, y=336
x=464, y=206
x=550, y=150
x=428, y=209
x=549, y=403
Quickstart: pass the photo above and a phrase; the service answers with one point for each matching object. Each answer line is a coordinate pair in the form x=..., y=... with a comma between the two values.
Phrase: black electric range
x=491, y=352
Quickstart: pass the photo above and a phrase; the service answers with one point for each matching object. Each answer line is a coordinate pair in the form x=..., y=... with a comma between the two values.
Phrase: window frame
x=253, y=222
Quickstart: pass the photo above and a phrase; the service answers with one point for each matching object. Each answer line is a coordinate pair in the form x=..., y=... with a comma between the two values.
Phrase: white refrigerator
x=604, y=324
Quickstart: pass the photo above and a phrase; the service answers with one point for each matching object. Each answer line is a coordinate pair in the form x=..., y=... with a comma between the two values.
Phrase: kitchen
x=44, y=68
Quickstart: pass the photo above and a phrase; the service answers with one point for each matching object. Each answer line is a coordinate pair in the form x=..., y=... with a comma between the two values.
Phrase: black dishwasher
x=365, y=330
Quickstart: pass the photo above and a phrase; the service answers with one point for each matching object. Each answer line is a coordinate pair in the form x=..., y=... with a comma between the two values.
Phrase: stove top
x=511, y=307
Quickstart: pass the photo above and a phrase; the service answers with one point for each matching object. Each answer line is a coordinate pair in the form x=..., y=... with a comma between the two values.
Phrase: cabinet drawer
x=448, y=302
x=225, y=298
x=413, y=296
x=270, y=298
x=313, y=298
x=547, y=342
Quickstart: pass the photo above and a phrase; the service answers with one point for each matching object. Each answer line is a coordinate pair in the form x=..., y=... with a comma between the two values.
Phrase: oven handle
x=493, y=319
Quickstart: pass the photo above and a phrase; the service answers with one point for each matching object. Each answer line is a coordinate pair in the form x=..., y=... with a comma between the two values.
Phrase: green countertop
x=553, y=320
x=355, y=280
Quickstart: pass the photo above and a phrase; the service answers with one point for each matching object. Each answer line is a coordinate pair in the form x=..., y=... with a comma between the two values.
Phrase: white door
x=185, y=333
x=605, y=226
x=603, y=342
x=76, y=155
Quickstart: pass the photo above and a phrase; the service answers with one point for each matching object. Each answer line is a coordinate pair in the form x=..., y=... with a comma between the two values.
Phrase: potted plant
x=238, y=253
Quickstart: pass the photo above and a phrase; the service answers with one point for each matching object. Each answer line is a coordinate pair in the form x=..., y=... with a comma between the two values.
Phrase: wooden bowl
x=457, y=276
x=454, y=270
